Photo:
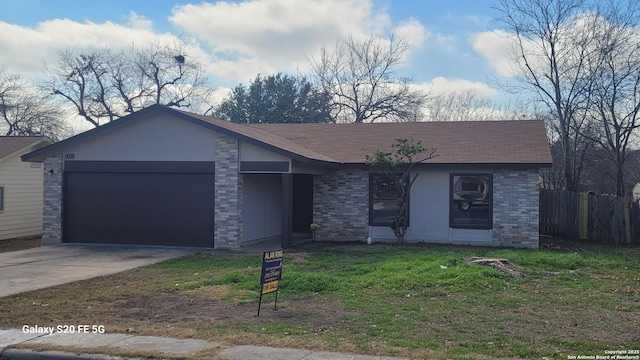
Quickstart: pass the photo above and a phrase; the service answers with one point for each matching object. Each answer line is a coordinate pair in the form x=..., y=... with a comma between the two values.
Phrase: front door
x=302, y=204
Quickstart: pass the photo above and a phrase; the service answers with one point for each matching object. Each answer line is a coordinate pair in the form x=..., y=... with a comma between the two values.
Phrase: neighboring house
x=166, y=177
x=20, y=187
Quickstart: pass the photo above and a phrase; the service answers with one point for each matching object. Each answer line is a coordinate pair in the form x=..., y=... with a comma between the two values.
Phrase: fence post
x=627, y=219
x=583, y=215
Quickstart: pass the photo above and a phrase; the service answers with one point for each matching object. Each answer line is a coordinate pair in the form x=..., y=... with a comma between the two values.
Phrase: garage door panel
x=139, y=208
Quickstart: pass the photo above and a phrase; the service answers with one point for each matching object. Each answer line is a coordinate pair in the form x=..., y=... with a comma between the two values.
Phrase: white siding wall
x=22, y=213
x=262, y=206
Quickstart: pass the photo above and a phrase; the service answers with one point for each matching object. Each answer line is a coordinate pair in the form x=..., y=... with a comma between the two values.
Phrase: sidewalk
x=152, y=344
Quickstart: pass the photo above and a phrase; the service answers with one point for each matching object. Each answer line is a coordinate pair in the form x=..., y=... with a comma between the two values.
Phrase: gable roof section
x=518, y=142
x=256, y=136
x=10, y=145
x=264, y=138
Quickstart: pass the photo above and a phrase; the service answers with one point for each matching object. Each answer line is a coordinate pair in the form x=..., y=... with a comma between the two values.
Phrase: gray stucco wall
x=516, y=208
x=341, y=204
x=157, y=138
x=429, y=212
x=262, y=206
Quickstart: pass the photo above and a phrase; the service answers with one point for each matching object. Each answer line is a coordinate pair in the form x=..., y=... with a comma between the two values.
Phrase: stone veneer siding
x=228, y=189
x=52, y=209
x=341, y=205
x=516, y=208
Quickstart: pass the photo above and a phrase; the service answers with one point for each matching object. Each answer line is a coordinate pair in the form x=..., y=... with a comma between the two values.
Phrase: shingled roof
x=11, y=144
x=459, y=142
x=465, y=142
x=522, y=142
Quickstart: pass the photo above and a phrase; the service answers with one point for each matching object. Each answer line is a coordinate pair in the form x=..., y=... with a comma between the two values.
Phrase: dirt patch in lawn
x=174, y=307
x=19, y=244
x=206, y=312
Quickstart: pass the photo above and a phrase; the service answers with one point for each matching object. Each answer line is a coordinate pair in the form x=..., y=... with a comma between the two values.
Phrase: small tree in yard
x=399, y=166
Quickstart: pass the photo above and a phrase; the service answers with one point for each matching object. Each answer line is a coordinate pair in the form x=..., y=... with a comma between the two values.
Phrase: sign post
x=271, y=274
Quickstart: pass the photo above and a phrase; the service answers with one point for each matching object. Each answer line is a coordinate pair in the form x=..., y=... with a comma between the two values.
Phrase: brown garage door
x=144, y=203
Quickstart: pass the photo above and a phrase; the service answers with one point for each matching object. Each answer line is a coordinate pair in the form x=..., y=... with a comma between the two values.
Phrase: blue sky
x=452, y=46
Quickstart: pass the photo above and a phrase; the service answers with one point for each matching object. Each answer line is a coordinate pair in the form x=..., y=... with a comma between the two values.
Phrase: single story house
x=167, y=177
x=20, y=187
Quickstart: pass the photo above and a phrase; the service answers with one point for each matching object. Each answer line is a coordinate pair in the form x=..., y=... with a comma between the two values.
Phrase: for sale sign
x=271, y=274
x=271, y=270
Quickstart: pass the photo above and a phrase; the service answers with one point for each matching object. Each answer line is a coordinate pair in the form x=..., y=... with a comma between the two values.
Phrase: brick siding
x=341, y=205
x=228, y=200
x=515, y=208
x=52, y=209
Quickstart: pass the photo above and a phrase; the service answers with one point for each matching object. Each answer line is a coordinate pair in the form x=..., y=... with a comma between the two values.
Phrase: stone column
x=52, y=197
x=516, y=208
x=228, y=220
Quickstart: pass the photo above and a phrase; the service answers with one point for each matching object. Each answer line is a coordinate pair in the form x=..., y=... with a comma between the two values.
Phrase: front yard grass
x=412, y=300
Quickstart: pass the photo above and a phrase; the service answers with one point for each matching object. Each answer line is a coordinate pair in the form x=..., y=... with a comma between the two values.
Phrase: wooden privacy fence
x=602, y=218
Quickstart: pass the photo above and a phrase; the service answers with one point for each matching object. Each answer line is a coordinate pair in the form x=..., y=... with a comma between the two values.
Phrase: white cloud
x=139, y=22
x=441, y=85
x=221, y=94
x=237, y=40
x=413, y=32
x=26, y=50
x=497, y=48
x=266, y=36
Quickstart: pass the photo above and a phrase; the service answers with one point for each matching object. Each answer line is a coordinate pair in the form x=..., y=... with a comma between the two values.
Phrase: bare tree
x=552, y=49
x=361, y=78
x=26, y=112
x=104, y=85
x=616, y=90
x=172, y=73
x=469, y=105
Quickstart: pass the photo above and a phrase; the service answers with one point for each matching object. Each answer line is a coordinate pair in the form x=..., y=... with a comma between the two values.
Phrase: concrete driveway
x=47, y=266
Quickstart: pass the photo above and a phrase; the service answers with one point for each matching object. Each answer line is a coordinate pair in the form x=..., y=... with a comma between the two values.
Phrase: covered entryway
x=136, y=202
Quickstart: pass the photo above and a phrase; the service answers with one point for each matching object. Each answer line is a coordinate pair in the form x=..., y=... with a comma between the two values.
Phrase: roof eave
x=251, y=140
x=42, y=140
x=511, y=165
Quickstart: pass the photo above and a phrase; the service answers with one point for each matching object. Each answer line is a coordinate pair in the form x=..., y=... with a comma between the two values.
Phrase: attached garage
x=136, y=202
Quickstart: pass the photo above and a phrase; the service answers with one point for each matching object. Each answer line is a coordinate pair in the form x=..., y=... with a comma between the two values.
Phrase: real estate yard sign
x=271, y=274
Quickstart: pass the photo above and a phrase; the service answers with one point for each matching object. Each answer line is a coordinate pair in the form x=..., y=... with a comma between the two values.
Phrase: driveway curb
x=26, y=354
